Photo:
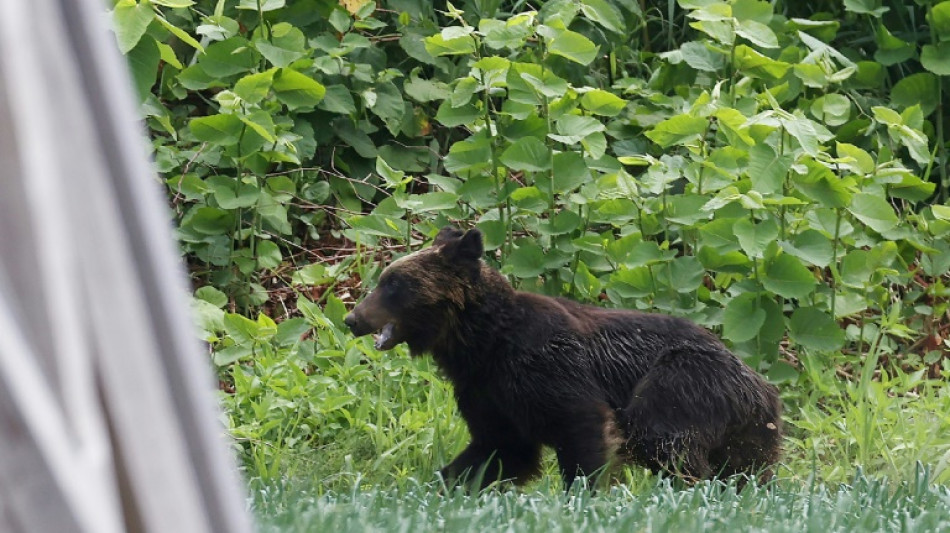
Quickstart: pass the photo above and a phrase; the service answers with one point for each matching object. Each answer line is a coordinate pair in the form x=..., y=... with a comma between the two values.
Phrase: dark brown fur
x=530, y=370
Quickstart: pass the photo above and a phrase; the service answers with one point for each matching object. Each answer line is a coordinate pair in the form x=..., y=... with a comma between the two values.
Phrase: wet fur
x=530, y=370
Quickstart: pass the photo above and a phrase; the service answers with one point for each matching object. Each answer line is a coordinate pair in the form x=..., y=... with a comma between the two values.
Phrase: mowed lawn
x=863, y=505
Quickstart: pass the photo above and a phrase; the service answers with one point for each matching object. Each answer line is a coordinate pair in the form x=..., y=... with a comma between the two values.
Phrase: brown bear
x=530, y=370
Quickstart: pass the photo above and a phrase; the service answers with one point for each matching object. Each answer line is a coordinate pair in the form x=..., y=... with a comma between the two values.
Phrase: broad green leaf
x=437, y=45
x=130, y=21
x=757, y=33
x=757, y=10
x=527, y=154
x=939, y=19
x=604, y=13
x=815, y=329
x=143, y=61
x=832, y=109
x=600, y=102
x=767, y=170
x=265, y=5
x=916, y=89
x=811, y=246
x=890, y=49
x=526, y=260
x=180, y=33
x=786, y=276
x=231, y=193
x=874, y=211
x=218, y=129
x=285, y=45
x=254, y=87
x=781, y=372
x=451, y=116
x=388, y=106
x=422, y=90
x=701, y=56
x=686, y=274
x=570, y=171
x=338, y=99
x=297, y=90
x=471, y=155
x=936, y=58
x=866, y=7
x=573, y=46
x=754, y=238
x=742, y=318
x=173, y=3
x=677, y=130
x=268, y=255
x=863, y=162
x=227, y=58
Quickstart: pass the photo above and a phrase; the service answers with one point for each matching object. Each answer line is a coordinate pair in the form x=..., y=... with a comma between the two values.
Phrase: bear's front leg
x=498, y=450
x=482, y=464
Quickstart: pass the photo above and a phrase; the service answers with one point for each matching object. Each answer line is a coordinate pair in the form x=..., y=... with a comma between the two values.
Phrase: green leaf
x=130, y=21
x=144, y=60
x=286, y=45
x=811, y=246
x=389, y=106
x=757, y=33
x=874, y=211
x=866, y=7
x=686, y=274
x=297, y=90
x=832, y=109
x=600, y=102
x=268, y=255
x=254, y=87
x=219, y=129
x=338, y=99
x=231, y=193
x=265, y=5
x=677, y=130
x=936, y=58
x=781, y=372
x=527, y=154
x=939, y=19
x=227, y=58
x=173, y=3
x=180, y=33
x=917, y=89
x=212, y=296
x=570, y=171
x=767, y=170
x=573, y=46
x=786, y=276
x=437, y=45
x=703, y=57
x=742, y=318
x=754, y=238
x=526, y=260
x=815, y=329
x=890, y=49
x=604, y=13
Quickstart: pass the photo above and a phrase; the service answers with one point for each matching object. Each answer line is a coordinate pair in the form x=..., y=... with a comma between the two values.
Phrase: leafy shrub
x=778, y=176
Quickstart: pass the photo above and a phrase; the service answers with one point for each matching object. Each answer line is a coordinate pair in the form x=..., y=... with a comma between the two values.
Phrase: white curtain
x=107, y=416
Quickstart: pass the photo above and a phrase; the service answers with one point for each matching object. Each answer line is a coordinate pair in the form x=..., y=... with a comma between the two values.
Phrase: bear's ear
x=446, y=235
x=467, y=248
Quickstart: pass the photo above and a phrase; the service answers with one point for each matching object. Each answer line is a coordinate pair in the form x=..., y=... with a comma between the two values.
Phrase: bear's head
x=419, y=296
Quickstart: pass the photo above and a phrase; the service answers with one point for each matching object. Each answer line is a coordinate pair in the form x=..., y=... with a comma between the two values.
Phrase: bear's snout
x=357, y=326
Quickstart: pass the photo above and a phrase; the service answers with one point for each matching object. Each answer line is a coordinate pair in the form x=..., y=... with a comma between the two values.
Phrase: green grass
x=862, y=505
x=337, y=436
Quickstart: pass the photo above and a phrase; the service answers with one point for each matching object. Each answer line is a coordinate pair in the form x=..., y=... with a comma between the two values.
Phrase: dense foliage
x=776, y=171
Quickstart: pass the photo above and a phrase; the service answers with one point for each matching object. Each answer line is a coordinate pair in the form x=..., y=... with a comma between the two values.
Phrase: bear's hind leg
x=586, y=442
